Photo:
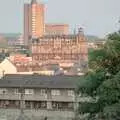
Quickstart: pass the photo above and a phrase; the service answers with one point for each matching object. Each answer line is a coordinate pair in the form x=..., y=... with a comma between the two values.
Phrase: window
x=43, y=104
x=17, y=91
x=70, y=93
x=70, y=105
x=55, y=92
x=29, y=91
x=3, y=91
x=42, y=92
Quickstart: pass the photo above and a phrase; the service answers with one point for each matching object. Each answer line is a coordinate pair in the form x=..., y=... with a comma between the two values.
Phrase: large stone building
x=52, y=44
x=40, y=97
x=65, y=50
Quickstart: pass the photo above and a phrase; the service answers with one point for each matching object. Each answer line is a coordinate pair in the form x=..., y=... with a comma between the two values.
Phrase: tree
x=103, y=80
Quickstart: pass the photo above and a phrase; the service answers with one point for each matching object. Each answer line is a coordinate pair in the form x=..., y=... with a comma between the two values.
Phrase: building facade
x=27, y=23
x=60, y=49
x=56, y=29
x=40, y=97
x=33, y=20
x=7, y=67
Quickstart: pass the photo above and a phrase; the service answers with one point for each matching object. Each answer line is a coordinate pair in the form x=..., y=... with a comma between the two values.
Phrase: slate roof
x=37, y=81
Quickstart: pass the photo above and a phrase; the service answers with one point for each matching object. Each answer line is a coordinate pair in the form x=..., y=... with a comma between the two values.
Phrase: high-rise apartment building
x=33, y=20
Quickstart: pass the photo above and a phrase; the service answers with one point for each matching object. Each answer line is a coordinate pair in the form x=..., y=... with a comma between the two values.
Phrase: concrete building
x=33, y=20
x=40, y=97
x=56, y=29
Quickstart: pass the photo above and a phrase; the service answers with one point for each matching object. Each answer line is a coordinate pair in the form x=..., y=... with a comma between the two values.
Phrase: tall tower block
x=27, y=23
x=33, y=20
x=37, y=18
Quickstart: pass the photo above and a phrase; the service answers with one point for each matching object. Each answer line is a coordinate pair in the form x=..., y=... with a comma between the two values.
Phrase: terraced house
x=39, y=97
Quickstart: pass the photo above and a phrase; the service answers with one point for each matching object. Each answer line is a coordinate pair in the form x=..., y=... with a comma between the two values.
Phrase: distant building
x=12, y=39
x=7, y=67
x=34, y=23
x=65, y=50
x=20, y=59
x=20, y=64
x=96, y=44
x=20, y=41
x=52, y=43
x=56, y=29
x=41, y=97
x=33, y=20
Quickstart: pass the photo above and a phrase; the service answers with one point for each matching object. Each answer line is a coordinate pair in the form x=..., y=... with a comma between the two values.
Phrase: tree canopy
x=103, y=79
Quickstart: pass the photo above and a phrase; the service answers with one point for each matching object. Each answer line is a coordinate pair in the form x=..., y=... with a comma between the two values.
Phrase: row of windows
x=37, y=105
x=58, y=92
x=53, y=57
x=41, y=92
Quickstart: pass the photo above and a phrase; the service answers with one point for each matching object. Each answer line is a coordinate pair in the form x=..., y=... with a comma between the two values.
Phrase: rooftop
x=37, y=81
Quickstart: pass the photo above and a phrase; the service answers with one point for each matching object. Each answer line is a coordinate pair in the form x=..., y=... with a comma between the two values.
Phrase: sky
x=97, y=17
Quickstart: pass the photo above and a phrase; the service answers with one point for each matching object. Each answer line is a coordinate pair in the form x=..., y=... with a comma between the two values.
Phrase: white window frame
x=43, y=92
x=29, y=91
x=55, y=92
x=17, y=91
x=71, y=93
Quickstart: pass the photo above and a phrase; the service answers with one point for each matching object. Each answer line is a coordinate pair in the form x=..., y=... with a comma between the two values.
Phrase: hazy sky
x=97, y=17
